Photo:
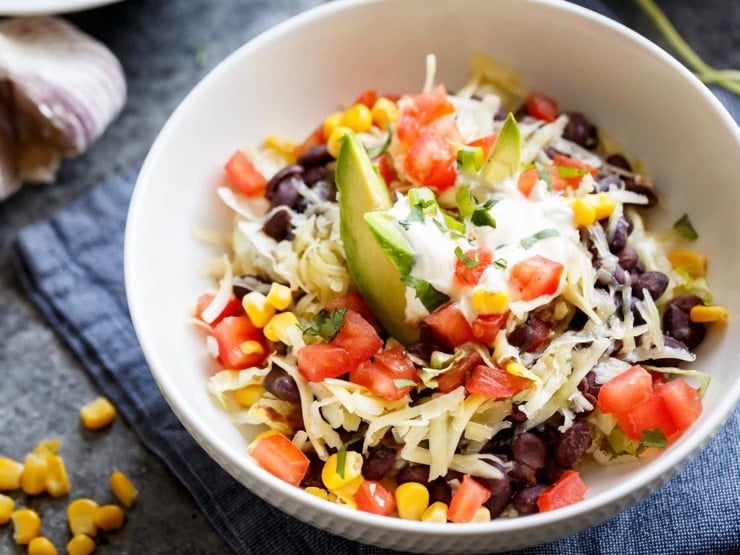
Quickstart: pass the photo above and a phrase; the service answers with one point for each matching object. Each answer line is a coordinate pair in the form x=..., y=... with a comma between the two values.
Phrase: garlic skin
x=59, y=91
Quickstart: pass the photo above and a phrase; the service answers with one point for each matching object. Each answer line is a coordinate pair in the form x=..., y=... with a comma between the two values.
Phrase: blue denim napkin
x=72, y=268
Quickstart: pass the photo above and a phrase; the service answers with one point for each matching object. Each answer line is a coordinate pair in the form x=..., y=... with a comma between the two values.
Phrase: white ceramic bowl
x=285, y=80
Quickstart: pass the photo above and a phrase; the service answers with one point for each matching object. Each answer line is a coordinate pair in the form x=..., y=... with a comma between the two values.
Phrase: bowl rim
x=655, y=472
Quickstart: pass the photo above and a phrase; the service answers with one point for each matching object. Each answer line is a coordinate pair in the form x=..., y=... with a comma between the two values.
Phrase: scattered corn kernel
x=584, y=213
x=33, y=478
x=487, y=302
x=80, y=544
x=334, y=141
x=352, y=468
x=57, y=479
x=251, y=347
x=7, y=505
x=318, y=492
x=384, y=112
x=257, y=308
x=518, y=369
x=108, y=517
x=80, y=514
x=412, y=499
x=249, y=395
x=277, y=328
x=41, y=546
x=47, y=447
x=436, y=512
x=346, y=495
x=707, y=314
x=604, y=205
x=280, y=296
x=357, y=117
x=97, y=414
x=482, y=514
x=26, y=525
x=10, y=474
x=694, y=263
x=331, y=122
x=281, y=145
x=123, y=489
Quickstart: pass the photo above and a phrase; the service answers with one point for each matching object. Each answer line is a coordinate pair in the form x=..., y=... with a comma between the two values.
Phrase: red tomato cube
x=626, y=390
x=358, y=337
x=568, y=489
x=449, y=326
x=495, y=382
x=323, y=360
x=468, y=498
x=536, y=276
x=279, y=456
x=231, y=333
x=682, y=402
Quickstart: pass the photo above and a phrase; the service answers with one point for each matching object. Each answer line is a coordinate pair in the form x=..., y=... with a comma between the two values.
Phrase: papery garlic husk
x=59, y=91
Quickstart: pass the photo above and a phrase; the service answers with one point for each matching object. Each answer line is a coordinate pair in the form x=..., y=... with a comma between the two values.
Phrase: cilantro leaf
x=685, y=228
x=467, y=261
x=544, y=174
x=500, y=263
x=653, y=438
x=528, y=242
x=342, y=453
x=325, y=324
x=425, y=292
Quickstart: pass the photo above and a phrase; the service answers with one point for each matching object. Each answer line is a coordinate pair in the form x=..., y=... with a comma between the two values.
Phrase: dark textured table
x=166, y=47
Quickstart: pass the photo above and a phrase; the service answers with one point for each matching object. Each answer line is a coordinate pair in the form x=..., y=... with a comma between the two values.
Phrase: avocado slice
x=506, y=154
x=361, y=190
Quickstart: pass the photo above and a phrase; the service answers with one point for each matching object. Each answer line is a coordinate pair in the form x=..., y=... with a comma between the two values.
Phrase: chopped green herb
x=685, y=228
x=483, y=218
x=653, y=438
x=430, y=297
x=342, y=453
x=545, y=176
x=401, y=383
x=453, y=224
x=467, y=261
x=464, y=201
x=500, y=263
x=528, y=242
x=325, y=324
x=470, y=158
x=567, y=171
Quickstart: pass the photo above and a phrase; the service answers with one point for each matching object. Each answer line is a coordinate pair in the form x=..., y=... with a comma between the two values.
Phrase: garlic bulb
x=59, y=91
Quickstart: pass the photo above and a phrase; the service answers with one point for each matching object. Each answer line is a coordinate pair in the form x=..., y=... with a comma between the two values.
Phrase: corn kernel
x=108, y=517
x=412, y=499
x=80, y=544
x=251, y=347
x=10, y=474
x=694, y=263
x=97, y=414
x=330, y=474
x=80, y=516
x=357, y=117
x=249, y=394
x=277, y=328
x=584, y=213
x=281, y=145
x=257, y=308
x=486, y=302
x=384, y=112
x=518, y=369
x=318, y=492
x=604, y=205
x=7, y=505
x=46, y=447
x=346, y=495
x=482, y=514
x=436, y=512
x=41, y=546
x=334, y=142
x=123, y=489
x=26, y=525
x=331, y=122
x=33, y=479
x=707, y=314
x=280, y=296
x=57, y=479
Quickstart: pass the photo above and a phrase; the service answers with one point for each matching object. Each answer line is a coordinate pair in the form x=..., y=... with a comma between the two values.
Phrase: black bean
x=552, y=472
x=531, y=335
x=644, y=190
x=413, y=473
x=548, y=430
x=654, y=282
x=619, y=161
x=517, y=415
x=439, y=490
x=570, y=446
x=285, y=193
x=378, y=462
x=282, y=385
x=317, y=155
x=421, y=349
x=284, y=173
x=604, y=182
x=669, y=341
x=580, y=130
x=500, y=495
x=521, y=472
x=588, y=385
x=628, y=258
x=278, y=226
x=677, y=324
x=578, y=320
x=326, y=190
x=529, y=449
x=618, y=238
x=525, y=500
x=314, y=175
x=313, y=476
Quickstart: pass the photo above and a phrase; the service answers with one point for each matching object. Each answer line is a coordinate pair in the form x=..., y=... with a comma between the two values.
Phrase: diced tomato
x=536, y=276
x=432, y=158
x=481, y=257
x=232, y=333
x=527, y=181
x=323, y=360
x=648, y=415
x=367, y=98
x=384, y=163
x=626, y=390
x=495, y=382
x=279, y=456
x=486, y=327
x=358, y=337
x=420, y=110
x=372, y=497
x=568, y=489
x=566, y=162
x=459, y=373
x=449, y=325
x=315, y=138
x=468, y=498
x=353, y=301
x=383, y=376
x=233, y=308
x=486, y=143
x=541, y=106
x=682, y=402
x=243, y=176
x=560, y=159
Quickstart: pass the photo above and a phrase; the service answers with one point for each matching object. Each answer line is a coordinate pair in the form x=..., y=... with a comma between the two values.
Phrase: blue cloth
x=72, y=269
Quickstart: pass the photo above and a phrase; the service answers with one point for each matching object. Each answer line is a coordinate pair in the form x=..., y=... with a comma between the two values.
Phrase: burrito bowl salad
x=442, y=306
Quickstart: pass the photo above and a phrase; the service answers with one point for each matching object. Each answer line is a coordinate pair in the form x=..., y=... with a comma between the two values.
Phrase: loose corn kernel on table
x=165, y=49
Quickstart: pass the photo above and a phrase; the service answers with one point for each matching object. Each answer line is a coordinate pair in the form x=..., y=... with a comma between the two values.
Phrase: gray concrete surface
x=165, y=48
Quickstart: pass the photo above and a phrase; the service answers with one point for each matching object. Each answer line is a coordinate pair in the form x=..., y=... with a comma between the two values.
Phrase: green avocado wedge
x=506, y=154
x=361, y=190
